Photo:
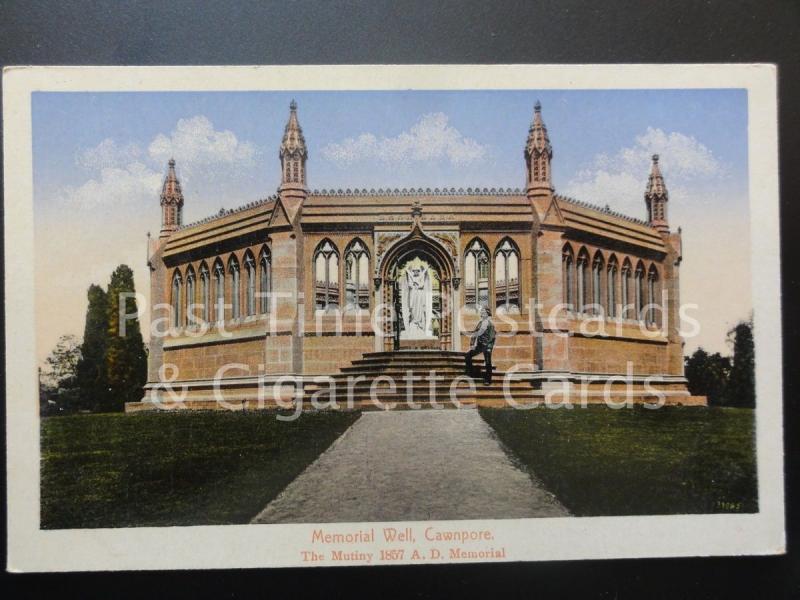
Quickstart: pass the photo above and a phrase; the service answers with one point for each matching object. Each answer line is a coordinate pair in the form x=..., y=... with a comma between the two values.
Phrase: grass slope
x=117, y=470
x=600, y=461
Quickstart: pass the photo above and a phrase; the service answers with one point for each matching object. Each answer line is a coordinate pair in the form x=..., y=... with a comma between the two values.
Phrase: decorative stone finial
x=538, y=154
x=293, y=152
x=656, y=198
x=171, y=201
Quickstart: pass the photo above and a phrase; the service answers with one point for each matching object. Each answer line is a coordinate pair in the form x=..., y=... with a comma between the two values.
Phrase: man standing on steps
x=482, y=342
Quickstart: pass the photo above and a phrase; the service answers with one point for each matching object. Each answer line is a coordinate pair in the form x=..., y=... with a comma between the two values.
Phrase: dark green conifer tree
x=91, y=371
x=742, y=381
x=125, y=358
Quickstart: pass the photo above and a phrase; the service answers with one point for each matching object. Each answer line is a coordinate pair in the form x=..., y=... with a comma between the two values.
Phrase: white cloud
x=123, y=175
x=115, y=186
x=195, y=144
x=430, y=138
x=108, y=154
x=101, y=221
x=619, y=179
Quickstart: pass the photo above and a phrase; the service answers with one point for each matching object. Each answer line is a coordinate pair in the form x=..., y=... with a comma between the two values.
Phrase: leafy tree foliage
x=742, y=382
x=110, y=367
x=708, y=375
x=125, y=356
x=58, y=382
x=92, y=379
x=726, y=381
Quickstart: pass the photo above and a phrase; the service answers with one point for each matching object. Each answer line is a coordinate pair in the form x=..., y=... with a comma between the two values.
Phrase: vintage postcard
x=371, y=315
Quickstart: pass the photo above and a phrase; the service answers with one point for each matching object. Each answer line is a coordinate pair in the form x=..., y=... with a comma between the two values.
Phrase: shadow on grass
x=160, y=469
x=599, y=461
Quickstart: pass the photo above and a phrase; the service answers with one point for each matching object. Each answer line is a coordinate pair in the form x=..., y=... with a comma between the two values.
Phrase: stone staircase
x=427, y=378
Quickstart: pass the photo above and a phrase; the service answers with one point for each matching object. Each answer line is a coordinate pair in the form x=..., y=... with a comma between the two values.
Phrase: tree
x=742, y=382
x=59, y=380
x=92, y=381
x=125, y=357
x=707, y=375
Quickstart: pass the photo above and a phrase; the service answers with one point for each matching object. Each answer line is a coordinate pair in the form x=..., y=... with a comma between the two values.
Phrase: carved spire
x=171, y=201
x=538, y=154
x=656, y=198
x=293, y=153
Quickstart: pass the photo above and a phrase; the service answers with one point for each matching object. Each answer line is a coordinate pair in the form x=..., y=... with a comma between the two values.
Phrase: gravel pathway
x=412, y=465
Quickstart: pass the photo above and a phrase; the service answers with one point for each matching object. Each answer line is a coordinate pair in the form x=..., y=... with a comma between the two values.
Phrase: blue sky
x=99, y=159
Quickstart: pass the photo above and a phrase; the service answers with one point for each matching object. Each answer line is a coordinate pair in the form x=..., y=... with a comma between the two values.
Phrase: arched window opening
x=204, y=293
x=326, y=276
x=652, y=296
x=177, y=284
x=568, y=272
x=219, y=291
x=476, y=275
x=250, y=290
x=611, y=288
x=356, y=275
x=265, y=285
x=190, y=299
x=583, y=280
x=625, y=296
x=233, y=269
x=597, y=283
x=506, y=277
x=639, y=294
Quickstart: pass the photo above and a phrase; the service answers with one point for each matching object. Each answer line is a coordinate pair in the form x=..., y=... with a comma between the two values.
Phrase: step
x=413, y=353
x=425, y=393
x=345, y=399
x=400, y=378
x=422, y=389
x=394, y=370
x=412, y=364
x=439, y=390
x=416, y=362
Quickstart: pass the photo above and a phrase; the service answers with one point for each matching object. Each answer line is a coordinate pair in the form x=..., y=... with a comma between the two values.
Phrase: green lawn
x=116, y=470
x=600, y=461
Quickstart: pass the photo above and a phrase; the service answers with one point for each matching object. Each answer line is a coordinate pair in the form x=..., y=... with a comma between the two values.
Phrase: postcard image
x=371, y=315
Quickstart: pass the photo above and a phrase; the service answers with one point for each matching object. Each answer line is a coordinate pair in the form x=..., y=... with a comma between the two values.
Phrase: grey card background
x=566, y=31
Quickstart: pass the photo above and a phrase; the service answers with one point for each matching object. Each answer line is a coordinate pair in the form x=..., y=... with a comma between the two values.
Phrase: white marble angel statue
x=418, y=286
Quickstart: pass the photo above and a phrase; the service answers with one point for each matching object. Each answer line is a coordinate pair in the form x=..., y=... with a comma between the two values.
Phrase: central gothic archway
x=418, y=284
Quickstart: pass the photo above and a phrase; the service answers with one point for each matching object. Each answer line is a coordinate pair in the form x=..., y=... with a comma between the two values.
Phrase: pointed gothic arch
x=191, y=290
x=205, y=292
x=612, y=275
x=250, y=273
x=506, y=276
x=639, y=291
x=356, y=274
x=236, y=287
x=626, y=283
x=596, y=296
x=477, y=271
x=442, y=260
x=326, y=275
x=177, y=289
x=568, y=276
x=218, y=273
x=265, y=280
x=582, y=283
x=653, y=296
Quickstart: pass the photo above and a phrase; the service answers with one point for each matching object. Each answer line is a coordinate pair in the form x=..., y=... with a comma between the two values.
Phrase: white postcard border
x=243, y=546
